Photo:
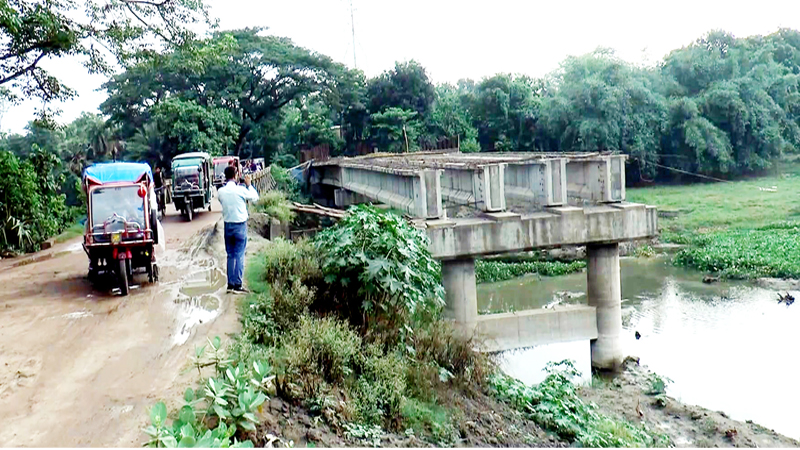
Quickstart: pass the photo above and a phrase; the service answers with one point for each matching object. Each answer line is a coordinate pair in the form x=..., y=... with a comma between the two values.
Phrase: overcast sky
x=454, y=40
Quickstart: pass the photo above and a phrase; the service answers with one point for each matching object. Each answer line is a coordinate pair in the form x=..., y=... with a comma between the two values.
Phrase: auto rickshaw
x=220, y=163
x=191, y=182
x=122, y=228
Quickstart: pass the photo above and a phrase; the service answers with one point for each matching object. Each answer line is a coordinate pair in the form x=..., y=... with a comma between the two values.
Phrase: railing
x=263, y=181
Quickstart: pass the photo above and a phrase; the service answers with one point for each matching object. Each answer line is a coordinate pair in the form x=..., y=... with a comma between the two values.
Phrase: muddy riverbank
x=627, y=396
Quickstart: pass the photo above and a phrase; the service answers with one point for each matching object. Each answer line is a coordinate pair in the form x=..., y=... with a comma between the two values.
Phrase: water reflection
x=727, y=346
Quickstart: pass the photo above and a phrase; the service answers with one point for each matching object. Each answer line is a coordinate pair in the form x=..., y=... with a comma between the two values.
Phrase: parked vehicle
x=192, y=175
x=220, y=163
x=122, y=229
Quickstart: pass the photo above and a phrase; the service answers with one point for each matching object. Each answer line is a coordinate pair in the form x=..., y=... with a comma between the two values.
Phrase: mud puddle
x=197, y=292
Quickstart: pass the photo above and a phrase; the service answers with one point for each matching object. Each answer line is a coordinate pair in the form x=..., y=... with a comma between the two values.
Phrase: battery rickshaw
x=122, y=228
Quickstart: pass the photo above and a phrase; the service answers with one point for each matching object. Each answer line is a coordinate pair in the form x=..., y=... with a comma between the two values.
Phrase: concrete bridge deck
x=472, y=205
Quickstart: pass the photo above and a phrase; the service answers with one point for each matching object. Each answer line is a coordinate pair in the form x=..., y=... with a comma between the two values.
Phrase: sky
x=455, y=40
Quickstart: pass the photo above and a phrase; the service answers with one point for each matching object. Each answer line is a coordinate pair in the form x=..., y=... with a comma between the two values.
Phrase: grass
x=736, y=230
x=716, y=206
x=73, y=231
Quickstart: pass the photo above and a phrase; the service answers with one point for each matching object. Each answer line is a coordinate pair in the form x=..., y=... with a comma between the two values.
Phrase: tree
x=505, y=109
x=186, y=127
x=405, y=87
x=36, y=30
x=395, y=130
x=450, y=118
x=251, y=75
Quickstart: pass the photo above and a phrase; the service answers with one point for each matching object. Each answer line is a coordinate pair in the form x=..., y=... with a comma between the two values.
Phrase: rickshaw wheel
x=189, y=213
x=209, y=207
x=155, y=273
x=123, y=277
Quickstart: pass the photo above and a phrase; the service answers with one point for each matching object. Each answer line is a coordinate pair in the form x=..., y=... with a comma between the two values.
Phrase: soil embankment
x=80, y=366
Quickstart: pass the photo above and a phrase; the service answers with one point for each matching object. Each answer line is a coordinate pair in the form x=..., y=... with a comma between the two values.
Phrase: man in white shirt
x=233, y=199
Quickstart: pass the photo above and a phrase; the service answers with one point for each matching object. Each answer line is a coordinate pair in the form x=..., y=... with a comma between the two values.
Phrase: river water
x=727, y=346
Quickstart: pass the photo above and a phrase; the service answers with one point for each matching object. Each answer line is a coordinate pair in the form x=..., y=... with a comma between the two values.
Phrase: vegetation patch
x=768, y=251
x=487, y=271
x=555, y=405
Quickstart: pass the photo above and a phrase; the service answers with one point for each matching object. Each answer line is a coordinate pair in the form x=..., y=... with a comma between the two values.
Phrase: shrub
x=380, y=389
x=285, y=182
x=442, y=344
x=380, y=271
x=286, y=262
x=316, y=352
x=289, y=303
x=275, y=205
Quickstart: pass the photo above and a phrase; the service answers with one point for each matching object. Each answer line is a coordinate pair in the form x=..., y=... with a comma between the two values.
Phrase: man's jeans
x=235, y=243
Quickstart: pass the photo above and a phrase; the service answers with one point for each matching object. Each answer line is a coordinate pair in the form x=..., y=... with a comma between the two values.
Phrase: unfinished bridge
x=474, y=205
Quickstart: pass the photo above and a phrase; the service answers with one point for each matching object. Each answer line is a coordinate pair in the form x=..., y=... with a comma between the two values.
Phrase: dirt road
x=80, y=367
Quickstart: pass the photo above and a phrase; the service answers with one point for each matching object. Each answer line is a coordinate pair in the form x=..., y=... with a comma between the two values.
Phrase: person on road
x=158, y=181
x=233, y=199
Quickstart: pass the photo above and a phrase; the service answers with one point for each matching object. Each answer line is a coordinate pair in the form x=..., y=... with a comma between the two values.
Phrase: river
x=726, y=346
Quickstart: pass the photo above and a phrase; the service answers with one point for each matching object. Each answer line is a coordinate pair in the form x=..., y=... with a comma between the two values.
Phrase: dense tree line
x=721, y=106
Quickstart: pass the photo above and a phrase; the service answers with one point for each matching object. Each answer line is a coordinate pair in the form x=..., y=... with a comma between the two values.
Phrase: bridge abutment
x=603, y=290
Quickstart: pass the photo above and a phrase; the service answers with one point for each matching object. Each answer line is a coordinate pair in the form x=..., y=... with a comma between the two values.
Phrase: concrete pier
x=461, y=297
x=603, y=291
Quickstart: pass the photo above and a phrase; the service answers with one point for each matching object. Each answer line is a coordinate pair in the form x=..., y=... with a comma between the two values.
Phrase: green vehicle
x=192, y=177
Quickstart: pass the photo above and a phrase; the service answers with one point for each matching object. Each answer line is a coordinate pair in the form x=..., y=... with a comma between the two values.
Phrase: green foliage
x=318, y=352
x=185, y=126
x=493, y=271
x=369, y=434
x=286, y=183
x=644, y=251
x=275, y=205
x=36, y=31
x=772, y=251
x=555, y=405
x=380, y=272
x=406, y=87
x=395, y=130
x=32, y=209
x=658, y=388
x=430, y=420
x=232, y=398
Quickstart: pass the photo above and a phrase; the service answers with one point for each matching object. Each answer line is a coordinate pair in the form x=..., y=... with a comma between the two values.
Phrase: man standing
x=233, y=199
x=158, y=181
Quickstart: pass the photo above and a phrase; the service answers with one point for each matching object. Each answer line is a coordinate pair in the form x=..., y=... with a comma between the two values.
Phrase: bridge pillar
x=461, y=297
x=604, y=293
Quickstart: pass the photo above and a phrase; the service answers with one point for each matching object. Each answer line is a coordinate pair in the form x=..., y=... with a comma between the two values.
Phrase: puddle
x=203, y=282
x=195, y=311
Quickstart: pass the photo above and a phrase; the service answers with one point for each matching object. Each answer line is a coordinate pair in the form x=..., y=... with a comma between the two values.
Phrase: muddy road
x=81, y=366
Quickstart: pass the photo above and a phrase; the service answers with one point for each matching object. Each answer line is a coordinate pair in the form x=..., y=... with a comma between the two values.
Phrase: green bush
x=275, y=205
x=31, y=210
x=318, y=352
x=285, y=262
x=381, y=274
x=289, y=303
x=381, y=386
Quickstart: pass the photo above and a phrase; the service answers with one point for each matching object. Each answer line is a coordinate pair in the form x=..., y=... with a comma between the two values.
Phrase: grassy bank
x=744, y=229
